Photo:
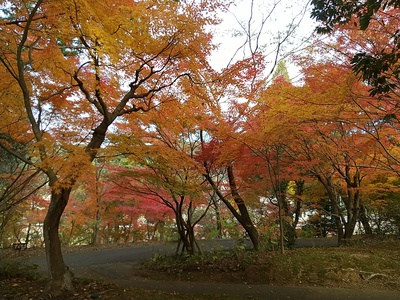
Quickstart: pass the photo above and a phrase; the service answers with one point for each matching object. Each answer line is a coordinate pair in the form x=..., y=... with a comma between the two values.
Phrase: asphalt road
x=133, y=255
x=115, y=265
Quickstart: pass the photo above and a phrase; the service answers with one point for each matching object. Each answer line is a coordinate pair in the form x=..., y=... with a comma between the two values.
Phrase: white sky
x=280, y=15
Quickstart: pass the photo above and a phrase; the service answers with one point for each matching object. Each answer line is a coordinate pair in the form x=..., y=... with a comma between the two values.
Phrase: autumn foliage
x=114, y=128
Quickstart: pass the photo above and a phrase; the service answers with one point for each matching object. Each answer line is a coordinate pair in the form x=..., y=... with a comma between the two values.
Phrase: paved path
x=116, y=265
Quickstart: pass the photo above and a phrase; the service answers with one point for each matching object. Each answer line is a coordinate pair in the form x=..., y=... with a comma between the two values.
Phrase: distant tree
x=281, y=71
x=383, y=203
x=19, y=183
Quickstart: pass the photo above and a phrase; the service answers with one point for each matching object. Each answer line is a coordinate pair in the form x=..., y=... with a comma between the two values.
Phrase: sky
x=268, y=25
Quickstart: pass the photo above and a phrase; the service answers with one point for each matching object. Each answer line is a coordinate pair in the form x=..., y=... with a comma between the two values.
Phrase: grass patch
x=17, y=269
x=220, y=261
x=372, y=264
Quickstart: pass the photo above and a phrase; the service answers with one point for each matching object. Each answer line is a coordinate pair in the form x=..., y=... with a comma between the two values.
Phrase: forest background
x=116, y=128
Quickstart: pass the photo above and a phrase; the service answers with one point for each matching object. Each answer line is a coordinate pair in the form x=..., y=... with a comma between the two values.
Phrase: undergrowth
x=221, y=261
x=370, y=264
x=17, y=269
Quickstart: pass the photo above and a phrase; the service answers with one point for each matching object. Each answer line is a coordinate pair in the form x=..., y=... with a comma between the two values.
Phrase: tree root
x=370, y=275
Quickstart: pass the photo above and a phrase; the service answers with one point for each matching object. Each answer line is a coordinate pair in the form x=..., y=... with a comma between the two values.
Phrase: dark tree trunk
x=28, y=234
x=281, y=228
x=299, y=194
x=336, y=214
x=245, y=218
x=337, y=217
x=340, y=232
x=185, y=236
x=96, y=231
x=242, y=216
x=353, y=205
x=219, y=223
x=216, y=206
x=60, y=275
x=364, y=220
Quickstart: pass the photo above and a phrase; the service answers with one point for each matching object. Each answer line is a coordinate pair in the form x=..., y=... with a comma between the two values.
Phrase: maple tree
x=378, y=64
x=381, y=110
x=221, y=157
x=265, y=132
x=163, y=169
x=370, y=29
x=326, y=138
x=19, y=183
x=376, y=115
x=137, y=72
x=77, y=67
x=317, y=130
x=382, y=197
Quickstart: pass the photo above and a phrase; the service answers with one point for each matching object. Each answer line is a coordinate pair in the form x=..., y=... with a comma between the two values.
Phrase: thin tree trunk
x=28, y=233
x=299, y=194
x=219, y=223
x=326, y=181
x=96, y=234
x=71, y=232
x=217, y=210
x=281, y=229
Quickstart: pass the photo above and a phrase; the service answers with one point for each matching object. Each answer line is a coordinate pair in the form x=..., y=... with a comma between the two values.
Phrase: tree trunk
x=297, y=212
x=364, y=220
x=60, y=275
x=326, y=181
x=340, y=232
x=217, y=210
x=242, y=216
x=353, y=212
x=219, y=223
x=184, y=238
x=96, y=233
x=245, y=218
x=336, y=214
x=281, y=229
x=28, y=234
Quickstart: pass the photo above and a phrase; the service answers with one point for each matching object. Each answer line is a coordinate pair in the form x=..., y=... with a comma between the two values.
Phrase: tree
x=220, y=174
x=320, y=129
x=76, y=69
x=377, y=65
x=267, y=132
x=163, y=168
x=163, y=174
x=382, y=203
x=19, y=183
x=381, y=108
